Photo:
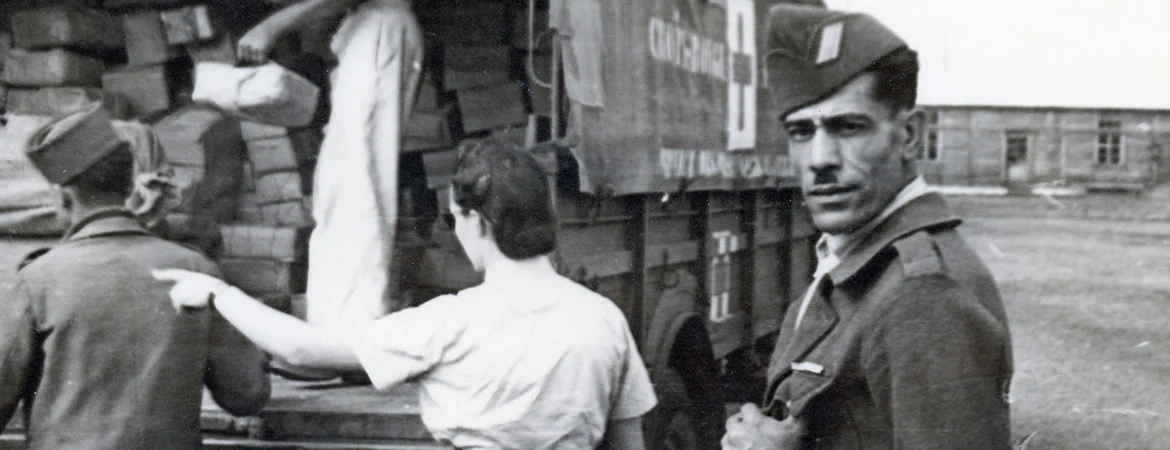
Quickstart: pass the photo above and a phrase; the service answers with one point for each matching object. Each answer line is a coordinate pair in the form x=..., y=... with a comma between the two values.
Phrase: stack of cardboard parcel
x=137, y=58
x=247, y=180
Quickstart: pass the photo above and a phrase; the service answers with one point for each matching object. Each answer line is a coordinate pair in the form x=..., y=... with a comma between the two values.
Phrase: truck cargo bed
x=323, y=415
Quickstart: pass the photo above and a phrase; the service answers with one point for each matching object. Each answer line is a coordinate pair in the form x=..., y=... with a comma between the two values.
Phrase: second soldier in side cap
x=86, y=339
x=901, y=340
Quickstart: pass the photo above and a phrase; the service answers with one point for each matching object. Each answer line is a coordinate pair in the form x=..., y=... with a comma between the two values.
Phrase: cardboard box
x=257, y=276
x=467, y=21
x=56, y=67
x=291, y=213
x=298, y=307
x=247, y=180
x=427, y=96
x=199, y=230
x=470, y=66
x=477, y=57
x=59, y=101
x=205, y=148
x=207, y=192
x=284, y=153
x=250, y=130
x=65, y=25
x=279, y=187
x=428, y=129
x=433, y=124
x=280, y=243
x=5, y=47
x=439, y=167
x=540, y=98
x=248, y=205
x=268, y=94
x=147, y=88
x=518, y=135
x=197, y=135
x=188, y=24
x=272, y=155
x=492, y=107
x=280, y=301
x=24, y=190
x=146, y=42
x=219, y=50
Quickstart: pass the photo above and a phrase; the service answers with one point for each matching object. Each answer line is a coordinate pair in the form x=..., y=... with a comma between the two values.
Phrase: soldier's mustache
x=825, y=177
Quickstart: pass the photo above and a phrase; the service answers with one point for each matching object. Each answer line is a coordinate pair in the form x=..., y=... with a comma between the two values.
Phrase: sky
x=1062, y=53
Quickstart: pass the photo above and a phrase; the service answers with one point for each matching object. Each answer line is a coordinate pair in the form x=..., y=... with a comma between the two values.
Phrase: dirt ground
x=1087, y=301
x=1087, y=298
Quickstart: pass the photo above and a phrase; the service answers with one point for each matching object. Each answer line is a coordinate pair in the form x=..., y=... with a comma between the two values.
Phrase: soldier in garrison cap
x=86, y=340
x=901, y=340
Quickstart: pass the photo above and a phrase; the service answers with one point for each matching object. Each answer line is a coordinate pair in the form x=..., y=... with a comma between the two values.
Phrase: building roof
x=1034, y=53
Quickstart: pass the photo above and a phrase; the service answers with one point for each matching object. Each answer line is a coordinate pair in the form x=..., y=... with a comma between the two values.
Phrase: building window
x=1017, y=148
x=928, y=151
x=1109, y=142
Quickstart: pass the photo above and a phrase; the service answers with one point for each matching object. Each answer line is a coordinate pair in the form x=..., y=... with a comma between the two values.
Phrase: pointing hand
x=192, y=290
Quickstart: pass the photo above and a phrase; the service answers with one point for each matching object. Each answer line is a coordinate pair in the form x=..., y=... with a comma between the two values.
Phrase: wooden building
x=1028, y=92
x=1019, y=147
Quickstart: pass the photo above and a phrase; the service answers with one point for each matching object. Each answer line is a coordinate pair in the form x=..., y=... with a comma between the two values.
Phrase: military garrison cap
x=811, y=52
x=66, y=147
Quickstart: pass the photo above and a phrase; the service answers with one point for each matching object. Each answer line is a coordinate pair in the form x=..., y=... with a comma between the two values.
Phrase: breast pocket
x=805, y=382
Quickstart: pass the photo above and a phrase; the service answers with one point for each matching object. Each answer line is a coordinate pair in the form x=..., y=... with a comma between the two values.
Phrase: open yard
x=1088, y=304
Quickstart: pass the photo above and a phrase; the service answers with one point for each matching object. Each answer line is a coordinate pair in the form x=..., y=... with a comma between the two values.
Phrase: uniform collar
x=830, y=248
x=104, y=222
x=507, y=271
x=840, y=244
x=924, y=211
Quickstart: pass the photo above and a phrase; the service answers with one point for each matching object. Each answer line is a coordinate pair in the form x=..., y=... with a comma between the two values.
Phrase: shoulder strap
x=32, y=256
x=918, y=254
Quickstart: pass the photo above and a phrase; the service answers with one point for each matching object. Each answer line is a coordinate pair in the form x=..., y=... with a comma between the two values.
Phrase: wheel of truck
x=690, y=412
x=674, y=428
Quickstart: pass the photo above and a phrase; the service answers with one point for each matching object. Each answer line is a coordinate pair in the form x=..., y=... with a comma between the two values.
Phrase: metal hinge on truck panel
x=554, y=82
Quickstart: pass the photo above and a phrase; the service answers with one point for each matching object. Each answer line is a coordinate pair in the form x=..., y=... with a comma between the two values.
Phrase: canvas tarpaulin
x=578, y=22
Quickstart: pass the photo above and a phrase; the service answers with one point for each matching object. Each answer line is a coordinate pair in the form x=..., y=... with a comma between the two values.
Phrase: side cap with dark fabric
x=811, y=52
x=66, y=147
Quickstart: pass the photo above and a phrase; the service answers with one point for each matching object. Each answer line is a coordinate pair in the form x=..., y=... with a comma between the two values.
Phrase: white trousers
x=355, y=193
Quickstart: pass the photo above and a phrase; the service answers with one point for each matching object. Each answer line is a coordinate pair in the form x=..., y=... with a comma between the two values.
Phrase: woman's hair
x=511, y=192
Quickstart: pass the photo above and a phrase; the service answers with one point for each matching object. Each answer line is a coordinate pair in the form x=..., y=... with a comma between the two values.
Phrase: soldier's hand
x=750, y=429
x=255, y=45
x=192, y=290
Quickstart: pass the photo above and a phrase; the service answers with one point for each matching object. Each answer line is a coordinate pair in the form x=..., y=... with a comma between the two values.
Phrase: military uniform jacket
x=905, y=344
x=90, y=341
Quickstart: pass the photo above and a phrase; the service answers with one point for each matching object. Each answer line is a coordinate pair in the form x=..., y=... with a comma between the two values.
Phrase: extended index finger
x=750, y=410
x=175, y=275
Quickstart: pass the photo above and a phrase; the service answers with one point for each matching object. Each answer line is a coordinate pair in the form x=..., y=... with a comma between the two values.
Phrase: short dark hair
x=112, y=175
x=511, y=192
x=896, y=83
